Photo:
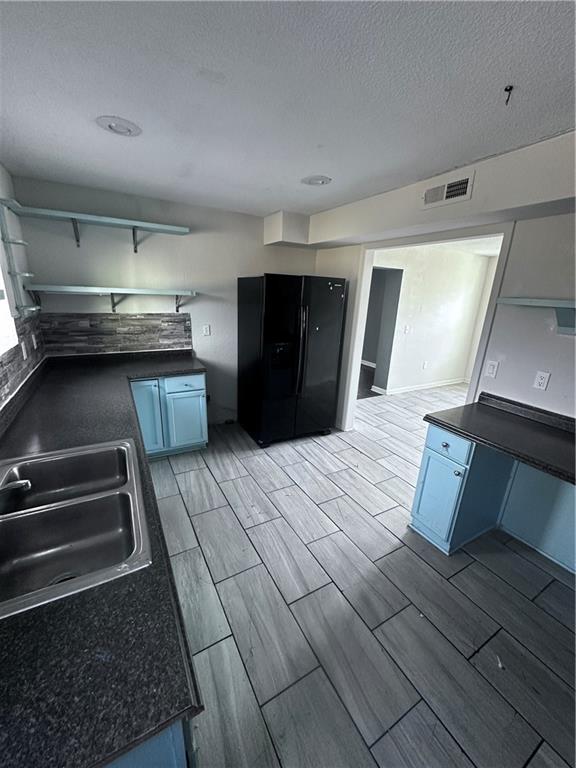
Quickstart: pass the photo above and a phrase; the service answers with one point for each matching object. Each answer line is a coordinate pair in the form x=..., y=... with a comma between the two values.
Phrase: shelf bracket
x=135, y=239
x=76, y=231
x=115, y=299
x=179, y=302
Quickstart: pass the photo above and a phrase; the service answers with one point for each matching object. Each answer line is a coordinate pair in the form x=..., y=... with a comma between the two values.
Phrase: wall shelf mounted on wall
x=87, y=218
x=116, y=294
x=565, y=310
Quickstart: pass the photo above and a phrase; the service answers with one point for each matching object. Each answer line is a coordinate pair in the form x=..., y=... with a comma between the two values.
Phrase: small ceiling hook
x=508, y=91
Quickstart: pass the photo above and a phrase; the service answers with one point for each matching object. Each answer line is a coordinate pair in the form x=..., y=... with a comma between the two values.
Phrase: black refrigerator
x=289, y=350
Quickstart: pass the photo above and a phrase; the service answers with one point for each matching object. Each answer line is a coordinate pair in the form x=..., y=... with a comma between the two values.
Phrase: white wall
x=439, y=301
x=15, y=232
x=347, y=263
x=221, y=247
x=490, y=273
x=524, y=340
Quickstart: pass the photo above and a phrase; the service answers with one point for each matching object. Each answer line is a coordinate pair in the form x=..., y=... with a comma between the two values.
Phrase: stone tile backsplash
x=13, y=368
x=109, y=332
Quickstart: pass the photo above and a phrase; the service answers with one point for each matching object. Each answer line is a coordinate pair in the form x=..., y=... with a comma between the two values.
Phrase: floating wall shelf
x=116, y=294
x=87, y=218
x=565, y=310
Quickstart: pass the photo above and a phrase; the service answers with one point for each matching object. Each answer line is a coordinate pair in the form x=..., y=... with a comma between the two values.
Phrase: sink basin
x=81, y=524
x=63, y=476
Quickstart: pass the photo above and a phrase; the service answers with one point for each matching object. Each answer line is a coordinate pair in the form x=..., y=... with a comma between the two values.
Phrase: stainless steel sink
x=62, y=476
x=80, y=524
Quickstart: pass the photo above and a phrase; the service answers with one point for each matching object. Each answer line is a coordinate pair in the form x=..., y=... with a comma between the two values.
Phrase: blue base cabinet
x=466, y=489
x=172, y=413
x=539, y=510
x=147, y=398
x=438, y=495
x=165, y=750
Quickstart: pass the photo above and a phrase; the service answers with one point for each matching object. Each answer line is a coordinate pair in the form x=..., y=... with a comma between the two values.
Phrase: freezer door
x=323, y=317
x=282, y=329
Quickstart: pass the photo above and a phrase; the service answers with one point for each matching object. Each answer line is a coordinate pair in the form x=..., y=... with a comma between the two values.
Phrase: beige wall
x=507, y=187
x=442, y=287
x=523, y=340
x=221, y=247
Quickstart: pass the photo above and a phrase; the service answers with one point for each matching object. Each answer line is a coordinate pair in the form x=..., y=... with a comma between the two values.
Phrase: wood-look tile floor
x=327, y=634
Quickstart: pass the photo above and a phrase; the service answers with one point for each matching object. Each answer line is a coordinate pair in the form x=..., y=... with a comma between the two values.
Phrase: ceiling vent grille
x=454, y=191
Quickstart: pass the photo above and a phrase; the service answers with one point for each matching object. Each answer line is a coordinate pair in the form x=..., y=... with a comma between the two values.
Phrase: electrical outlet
x=406, y=329
x=24, y=350
x=206, y=330
x=491, y=368
x=34, y=341
x=541, y=380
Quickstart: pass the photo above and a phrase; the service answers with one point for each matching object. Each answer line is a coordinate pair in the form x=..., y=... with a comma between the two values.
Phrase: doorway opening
x=426, y=311
x=379, y=332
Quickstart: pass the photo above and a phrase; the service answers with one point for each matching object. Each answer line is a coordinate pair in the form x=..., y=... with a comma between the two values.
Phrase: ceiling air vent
x=452, y=192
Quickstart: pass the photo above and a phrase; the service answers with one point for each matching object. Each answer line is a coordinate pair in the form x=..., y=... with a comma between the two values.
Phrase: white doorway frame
x=359, y=311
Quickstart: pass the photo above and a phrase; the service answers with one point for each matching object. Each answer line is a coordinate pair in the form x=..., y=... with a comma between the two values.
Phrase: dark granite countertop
x=85, y=678
x=538, y=438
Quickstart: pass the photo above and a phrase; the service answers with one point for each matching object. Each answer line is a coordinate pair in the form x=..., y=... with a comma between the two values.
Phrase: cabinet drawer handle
x=445, y=445
x=457, y=472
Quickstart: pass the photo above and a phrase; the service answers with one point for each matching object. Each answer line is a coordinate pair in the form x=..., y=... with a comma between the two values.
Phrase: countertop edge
x=431, y=418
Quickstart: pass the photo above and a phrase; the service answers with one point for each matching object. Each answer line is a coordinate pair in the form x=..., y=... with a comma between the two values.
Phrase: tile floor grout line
x=422, y=613
x=231, y=634
x=395, y=723
x=498, y=575
x=527, y=763
x=293, y=683
x=415, y=552
x=430, y=704
x=518, y=640
x=533, y=599
x=262, y=563
x=503, y=696
x=544, y=570
x=335, y=690
x=216, y=642
x=373, y=631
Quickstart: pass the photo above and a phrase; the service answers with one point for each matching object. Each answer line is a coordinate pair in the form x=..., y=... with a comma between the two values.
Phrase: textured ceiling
x=239, y=101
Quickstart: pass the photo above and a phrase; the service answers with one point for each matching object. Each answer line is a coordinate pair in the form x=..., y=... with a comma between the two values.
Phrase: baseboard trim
x=379, y=390
x=430, y=385
x=370, y=365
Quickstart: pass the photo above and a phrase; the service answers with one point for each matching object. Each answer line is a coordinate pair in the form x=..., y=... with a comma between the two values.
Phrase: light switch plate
x=206, y=330
x=491, y=368
x=541, y=380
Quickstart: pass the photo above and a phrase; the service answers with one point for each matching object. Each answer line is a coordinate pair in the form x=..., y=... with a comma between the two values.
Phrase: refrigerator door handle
x=300, y=348
x=303, y=348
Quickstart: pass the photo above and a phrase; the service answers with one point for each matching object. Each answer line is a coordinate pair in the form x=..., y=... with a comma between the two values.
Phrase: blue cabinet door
x=147, y=399
x=437, y=495
x=186, y=419
x=165, y=750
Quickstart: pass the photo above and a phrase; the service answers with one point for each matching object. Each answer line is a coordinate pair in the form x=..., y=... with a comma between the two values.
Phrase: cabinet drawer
x=448, y=444
x=184, y=383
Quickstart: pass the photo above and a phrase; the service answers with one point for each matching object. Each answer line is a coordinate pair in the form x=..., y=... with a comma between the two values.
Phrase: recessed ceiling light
x=118, y=125
x=316, y=181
